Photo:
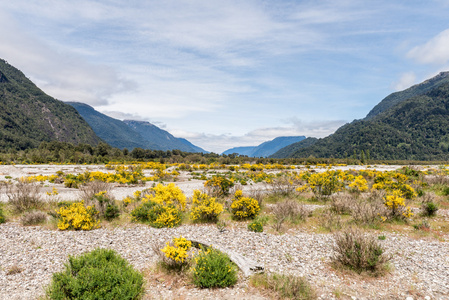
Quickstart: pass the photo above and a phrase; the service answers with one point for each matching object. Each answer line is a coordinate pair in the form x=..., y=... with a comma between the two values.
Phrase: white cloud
x=435, y=51
x=296, y=127
x=63, y=75
x=405, y=81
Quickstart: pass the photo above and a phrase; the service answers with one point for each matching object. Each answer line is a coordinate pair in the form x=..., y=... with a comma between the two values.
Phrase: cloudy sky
x=227, y=73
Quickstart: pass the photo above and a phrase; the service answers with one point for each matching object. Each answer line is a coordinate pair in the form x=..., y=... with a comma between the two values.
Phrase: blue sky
x=227, y=73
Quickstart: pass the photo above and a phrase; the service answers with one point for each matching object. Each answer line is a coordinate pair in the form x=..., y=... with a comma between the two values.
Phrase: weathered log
x=247, y=265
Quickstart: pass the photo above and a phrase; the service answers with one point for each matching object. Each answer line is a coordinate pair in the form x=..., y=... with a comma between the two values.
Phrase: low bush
x=175, y=254
x=24, y=196
x=429, y=209
x=213, y=269
x=286, y=286
x=359, y=252
x=77, y=217
x=157, y=215
x=244, y=207
x=204, y=207
x=33, y=218
x=289, y=209
x=100, y=274
x=2, y=215
x=255, y=226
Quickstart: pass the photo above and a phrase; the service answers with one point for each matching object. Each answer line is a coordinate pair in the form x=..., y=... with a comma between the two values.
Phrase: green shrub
x=112, y=211
x=100, y=274
x=429, y=209
x=286, y=286
x=359, y=252
x=255, y=226
x=213, y=269
x=2, y=215
x=157, y=215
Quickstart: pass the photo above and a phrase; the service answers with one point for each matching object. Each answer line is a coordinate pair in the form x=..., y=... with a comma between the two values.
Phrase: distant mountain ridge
x=408, y=125
x=266, y=148
x=28, y=116
x=131, y=134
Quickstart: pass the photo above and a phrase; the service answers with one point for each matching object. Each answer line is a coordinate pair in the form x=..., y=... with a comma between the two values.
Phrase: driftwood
x=248, y=266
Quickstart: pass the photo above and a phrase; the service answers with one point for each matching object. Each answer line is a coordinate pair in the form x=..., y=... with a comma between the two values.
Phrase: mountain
x=284, y=152
x=416, y=90
x=114, y=132
x=194, y=148
x=241, y=150
x=159, y=139
x=267, y=148
x=131, y=134
x=414, y=128
x=28, y=116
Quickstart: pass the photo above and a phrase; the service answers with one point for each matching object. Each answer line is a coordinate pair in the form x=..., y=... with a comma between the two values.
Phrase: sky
x=227, y=73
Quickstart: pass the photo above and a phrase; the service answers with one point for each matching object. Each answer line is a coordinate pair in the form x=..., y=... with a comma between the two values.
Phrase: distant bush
x=219, y=185
x=33, y=218
x=244, y=207
x=359, y=252
x=100, y=274
x=213, y=269
x=24, y=196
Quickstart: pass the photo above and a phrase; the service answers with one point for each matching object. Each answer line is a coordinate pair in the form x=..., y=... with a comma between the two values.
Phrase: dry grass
x=24, y=196
x=288, y=210
x=89, y=189
x=360, y=252
x=33, y=218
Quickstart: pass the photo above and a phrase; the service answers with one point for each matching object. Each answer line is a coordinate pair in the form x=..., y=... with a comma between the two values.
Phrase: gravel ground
x=419, y=267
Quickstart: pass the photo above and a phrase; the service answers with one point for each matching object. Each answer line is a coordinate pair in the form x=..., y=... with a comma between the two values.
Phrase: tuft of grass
x=284, y=286
x=359, y=252
x=33, y=218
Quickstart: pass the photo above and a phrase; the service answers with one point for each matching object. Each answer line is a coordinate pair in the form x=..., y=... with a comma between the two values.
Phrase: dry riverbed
x=419, y=268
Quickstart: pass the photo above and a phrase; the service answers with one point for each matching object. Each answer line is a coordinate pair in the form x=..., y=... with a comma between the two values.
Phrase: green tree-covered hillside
x=28, y=116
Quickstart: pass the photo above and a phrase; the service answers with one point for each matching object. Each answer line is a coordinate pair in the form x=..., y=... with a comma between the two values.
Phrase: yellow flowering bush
x=157, y=215
x=204, y=207
x=167, y=195
x=220, y=185
x=176, y=253
x=326, y=183
x=78, y=217
x=396, y=203
x=244, y=207
x=359, y=185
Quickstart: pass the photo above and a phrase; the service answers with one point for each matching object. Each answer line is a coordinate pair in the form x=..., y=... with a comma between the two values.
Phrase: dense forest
x=28, y=116
x=414, y=129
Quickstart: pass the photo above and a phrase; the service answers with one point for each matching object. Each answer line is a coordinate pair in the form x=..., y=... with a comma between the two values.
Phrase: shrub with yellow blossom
x=157, y=215
x=167, y=195
x=78, y=217
x=176, y=252
x=204, y=207
x=244, y=207
x=396, y=203
x=359, y=185
x=220, y=185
